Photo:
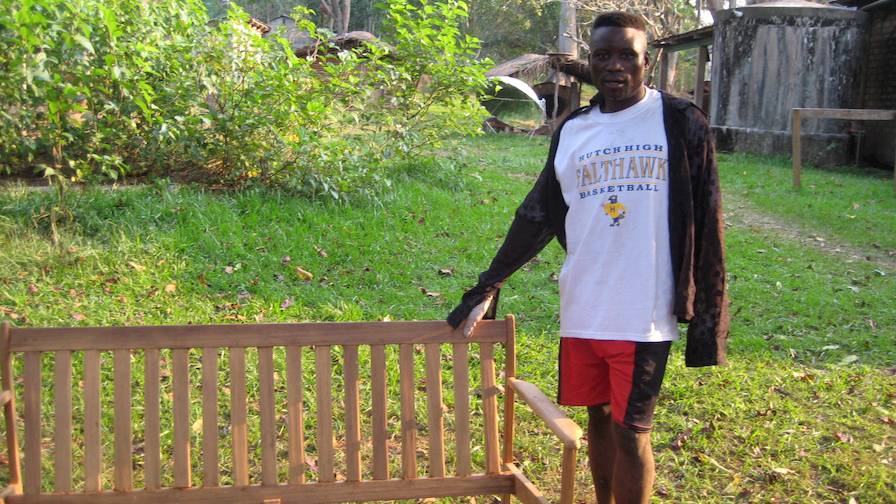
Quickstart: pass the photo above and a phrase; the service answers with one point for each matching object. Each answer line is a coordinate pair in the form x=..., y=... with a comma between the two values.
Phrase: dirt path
x=741, y=213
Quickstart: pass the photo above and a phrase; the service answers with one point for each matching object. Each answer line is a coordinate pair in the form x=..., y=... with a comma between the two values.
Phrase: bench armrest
x=565, y=429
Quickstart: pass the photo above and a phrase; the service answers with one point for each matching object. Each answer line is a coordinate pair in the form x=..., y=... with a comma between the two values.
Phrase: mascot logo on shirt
x=615, y=210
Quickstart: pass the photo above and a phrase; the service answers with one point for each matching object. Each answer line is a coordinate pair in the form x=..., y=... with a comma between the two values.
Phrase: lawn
x=805, y=412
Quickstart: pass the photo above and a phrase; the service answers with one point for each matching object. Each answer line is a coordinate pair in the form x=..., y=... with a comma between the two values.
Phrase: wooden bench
x=114, y=463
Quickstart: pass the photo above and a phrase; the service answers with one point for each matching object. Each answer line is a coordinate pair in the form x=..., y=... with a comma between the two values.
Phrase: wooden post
x=664, y=70
x=268, y=419
x=435, y=425
x=32, y=422
x=295, y=412
x=352, y=413
x=9, y=409
x=210, y=417
x=181, y=387
x=509, y=372
x=152, y=474
x=796, y=153
x=324, y=370
x=489, y=406
x=239, y=433
x=62, y=443
x=123, y=434
x=702, y=58
x=379, y=422
x=461, y=354
x=408, y=415
x=93, y=456
x=568, y=476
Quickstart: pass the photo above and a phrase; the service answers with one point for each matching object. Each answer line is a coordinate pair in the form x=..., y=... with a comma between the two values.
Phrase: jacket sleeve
x=535, y=223
x=707, y=334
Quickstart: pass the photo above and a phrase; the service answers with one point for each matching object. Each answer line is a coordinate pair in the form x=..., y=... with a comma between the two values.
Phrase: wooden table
x=849, y=114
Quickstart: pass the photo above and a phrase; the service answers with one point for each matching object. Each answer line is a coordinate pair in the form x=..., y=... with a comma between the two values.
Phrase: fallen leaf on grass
x=32, y=288
x=877, y=448
x=171, y=287
x=286, y=260
x=446, y=271
x=136, y=266
x=849, y=359
x=783, y=471
x=228, y=270
x=430, y=293
x=887, y=420
x=321, y=252
x=311, y=463
x=78, y=316
x=843, y=437
x=286, y=303
x=304, y=274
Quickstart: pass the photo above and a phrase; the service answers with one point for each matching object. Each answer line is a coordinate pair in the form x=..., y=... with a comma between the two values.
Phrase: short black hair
x=621, y=20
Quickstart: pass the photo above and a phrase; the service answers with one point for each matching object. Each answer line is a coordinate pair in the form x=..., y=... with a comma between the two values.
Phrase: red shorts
x=624, y=374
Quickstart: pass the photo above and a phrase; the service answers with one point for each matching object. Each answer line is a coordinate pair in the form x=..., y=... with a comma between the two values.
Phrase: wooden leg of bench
x=523, y=489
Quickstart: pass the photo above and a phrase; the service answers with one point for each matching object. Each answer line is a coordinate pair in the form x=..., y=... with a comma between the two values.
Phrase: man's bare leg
x=634, y=471
x=601, y=451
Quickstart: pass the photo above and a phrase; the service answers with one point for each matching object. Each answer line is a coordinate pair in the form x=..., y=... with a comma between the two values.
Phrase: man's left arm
x=707, y=335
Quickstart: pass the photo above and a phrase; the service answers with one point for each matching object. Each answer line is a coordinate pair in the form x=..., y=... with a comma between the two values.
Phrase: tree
x=338, y=12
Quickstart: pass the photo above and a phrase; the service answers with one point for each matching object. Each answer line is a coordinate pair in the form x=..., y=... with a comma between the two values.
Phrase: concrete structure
x=773, y=57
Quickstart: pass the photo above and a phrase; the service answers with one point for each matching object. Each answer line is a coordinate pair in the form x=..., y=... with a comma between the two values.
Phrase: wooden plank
x=379, y=426
x=92, y=441
x=342, y=491
x=524, y=490
x=702, y=58
x=352, y=415
x=249, y=335
x=664, y=70
x=268, y=419
x=152, y=472
x=62, y=443
x=210, y=472
x=565, y=429
x=848, y=114
x=295, y=412
x=32, y=422
x=461, y=354
x=796, y=149
x=435, y=424
x=238, y=424
x=408, y=417
x=122, y=405
x=324, y=376
x=9, y=407
x=489, y=406
x=509, y=416
x=181, y=379
x=568, y=476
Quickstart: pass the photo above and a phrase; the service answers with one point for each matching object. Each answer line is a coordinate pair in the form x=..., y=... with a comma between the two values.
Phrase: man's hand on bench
x=476, y=315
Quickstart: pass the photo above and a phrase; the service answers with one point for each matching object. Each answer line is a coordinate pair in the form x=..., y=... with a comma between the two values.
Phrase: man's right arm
x=537, y=220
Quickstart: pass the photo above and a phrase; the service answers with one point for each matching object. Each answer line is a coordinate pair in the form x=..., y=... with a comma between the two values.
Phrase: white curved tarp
x=522, y=87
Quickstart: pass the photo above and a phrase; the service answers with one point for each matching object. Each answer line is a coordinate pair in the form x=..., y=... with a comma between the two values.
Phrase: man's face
x=618, y=64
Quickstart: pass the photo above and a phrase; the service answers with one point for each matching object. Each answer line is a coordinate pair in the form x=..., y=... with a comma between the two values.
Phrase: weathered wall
x=768, y=60
x=880, y=86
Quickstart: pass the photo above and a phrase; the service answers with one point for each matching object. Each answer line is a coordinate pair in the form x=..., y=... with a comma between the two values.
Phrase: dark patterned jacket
x=695, y=232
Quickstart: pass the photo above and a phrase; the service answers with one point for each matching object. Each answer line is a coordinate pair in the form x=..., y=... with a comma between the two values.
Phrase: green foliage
x=97, y=90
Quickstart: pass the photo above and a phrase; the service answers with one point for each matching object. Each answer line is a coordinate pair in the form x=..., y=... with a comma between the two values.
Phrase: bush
x=95, y=90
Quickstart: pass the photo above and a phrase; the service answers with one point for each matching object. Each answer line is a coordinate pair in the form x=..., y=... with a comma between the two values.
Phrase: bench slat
x=62, y=385
x=352, y=415
x=268, y=424
x=324, y=377
x=181, y=378
x=32, y=422
x=238, y=425
x=210, y=473
x=295, y=412
x=408, y=419
x=92, y=443
x=122, y=406
x=342, y=491
x=152, y=473
x=379, y=421
x=461, y=355
x=435, y=423
x=489, y=405
x=248, y=335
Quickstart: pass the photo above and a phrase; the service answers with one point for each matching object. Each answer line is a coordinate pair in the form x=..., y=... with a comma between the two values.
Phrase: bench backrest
x=158, y=373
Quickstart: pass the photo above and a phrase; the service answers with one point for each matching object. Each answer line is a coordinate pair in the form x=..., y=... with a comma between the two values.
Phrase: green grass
x=798, y=416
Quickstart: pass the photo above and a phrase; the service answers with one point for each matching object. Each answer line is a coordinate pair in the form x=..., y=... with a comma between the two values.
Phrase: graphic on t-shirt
x=615, y=210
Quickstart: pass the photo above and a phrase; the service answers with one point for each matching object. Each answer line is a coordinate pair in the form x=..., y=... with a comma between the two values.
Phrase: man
x=630, y=190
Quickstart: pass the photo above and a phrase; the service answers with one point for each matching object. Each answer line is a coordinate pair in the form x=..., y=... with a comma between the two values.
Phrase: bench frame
x=502, y=477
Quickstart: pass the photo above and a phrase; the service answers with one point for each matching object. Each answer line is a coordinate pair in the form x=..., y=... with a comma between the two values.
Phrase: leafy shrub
x=96, y=90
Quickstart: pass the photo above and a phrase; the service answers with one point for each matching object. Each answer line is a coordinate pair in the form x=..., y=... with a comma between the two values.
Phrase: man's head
x=619, y=59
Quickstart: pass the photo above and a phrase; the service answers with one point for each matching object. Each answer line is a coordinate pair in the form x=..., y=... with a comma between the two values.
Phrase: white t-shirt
x=616, y=283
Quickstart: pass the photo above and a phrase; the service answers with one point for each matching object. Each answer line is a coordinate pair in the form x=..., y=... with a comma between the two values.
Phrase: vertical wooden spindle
x=379, y=421
x=152, y=471
x=9, y=409
x=62, y=444
x=32, y=423
x=210, y=473
x=92, y=442
x=123, y=435
x=324, y=370
x=461, y=354
x=489, y=406
x=352, y=415
x=408, y=417
x=238, y=424
x=436, y=425
x=295, y=410
x=268, y=420
x=509, y=372
x=181, y=381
